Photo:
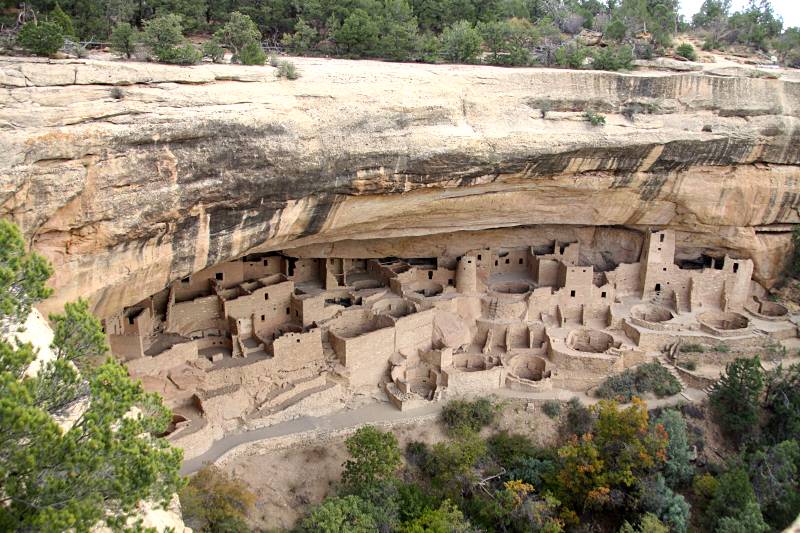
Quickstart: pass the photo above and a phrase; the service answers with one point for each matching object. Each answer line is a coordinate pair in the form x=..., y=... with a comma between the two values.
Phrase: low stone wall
x=174, y=356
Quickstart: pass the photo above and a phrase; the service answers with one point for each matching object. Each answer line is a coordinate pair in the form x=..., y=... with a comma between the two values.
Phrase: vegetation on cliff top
x=507, y=32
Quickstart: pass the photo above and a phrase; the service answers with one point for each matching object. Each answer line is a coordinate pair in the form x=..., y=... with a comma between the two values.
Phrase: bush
x=124, y=38
x=552, y=408
x=252, y=54
x=688, y=365
x=692, y=348
x=595, y=119
x=579, y=419
x=214, y=501
x=164, y=36
x=375, y=457
x=616, y=30
x=508, y=448
x=286, y=69
x=613, y=58
x=41, y=38
x=571, y=55
x=185, y=54
x=461, y=43
x=213, y=50
x=686, y=50
x=349, y=513
x=63, y=20
x=239, y=32
x=678, y=469
x=649, y=377
x=734, y=398
x=472, y=415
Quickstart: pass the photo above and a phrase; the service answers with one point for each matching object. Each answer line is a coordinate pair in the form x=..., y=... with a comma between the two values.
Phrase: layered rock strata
x=191, y=166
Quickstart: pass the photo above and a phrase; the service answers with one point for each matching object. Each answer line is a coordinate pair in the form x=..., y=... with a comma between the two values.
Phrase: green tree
x=214, y=501
x=375, y=457
x=447, y=518
x=649, y=523
x=358, y=35
x=42, y=38
x=686, y=50
x=782, y=404
x=191, y=12
x=734, y=398
x=22, y=276
x=775, y=476
x=788, y=48
x=124, y=38
x=237, y=33
x=468, y=414
x=103, y=463
x=616, y=30
x=164, y=36
x=78, y=335
x=63, y=20
x=213, y=50
x=735, y=501
x=252, y=54
x=303, y=39
x=348, y=514
x=710, y=11
x=757, y=24
x=670, y=507
x=678, y=469
x=461, y=42
x=398, y=34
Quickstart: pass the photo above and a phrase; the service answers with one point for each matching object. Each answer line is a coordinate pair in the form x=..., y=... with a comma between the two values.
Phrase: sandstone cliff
x=197, y=165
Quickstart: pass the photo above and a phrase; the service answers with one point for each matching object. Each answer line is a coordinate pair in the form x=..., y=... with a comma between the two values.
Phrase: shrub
x=595, y=119
x=374, y=456
x=348, y=513
x=579, y=419
x=692, y=348
x=734, y=398
x=686, y=50
x=358, y=34
x=571, y=55
x=303, y=39
x=616, y=30
x=507, y=448
x=649, y=377
x=252, y=54
x=214, y=501
x=552, y=408
x=124, y=38
x=722, y=348
x=239, y=32
x=417, y=453
x=688, y=365
x=185, y=54
x=671, y=508
x=274, y=61
x=63, y=20
x=286, y=69
x=782, y=404
x=734, y=500
x=213, y=50
x=461, y=43
x=472, y=415
x=164, y=36
x=41, y=38
x=613, y=58
x=678, y=469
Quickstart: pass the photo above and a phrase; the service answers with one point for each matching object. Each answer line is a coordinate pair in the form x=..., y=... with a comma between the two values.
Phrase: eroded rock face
x=198, y=165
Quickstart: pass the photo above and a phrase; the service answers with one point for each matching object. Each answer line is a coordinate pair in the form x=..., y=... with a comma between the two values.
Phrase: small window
x=735, y=267
x=263, y=318
x=266, y=296
x=665, y=269
x=430, y=274
x=479, y=257
x=297, y=314
x=185, y=280
x=266, y=262
x=287, y=310
x=572, y=294
x=661, y=237
x=508, y=261
x=495, y=262
x=130, y=320
x=659, y=248
x=450, y=282
x=658, y=287
x=603, y=294
x=298, y=340
x=219, y=276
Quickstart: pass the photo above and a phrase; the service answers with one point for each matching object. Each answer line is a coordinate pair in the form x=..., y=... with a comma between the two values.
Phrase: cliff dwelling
x=240, y=344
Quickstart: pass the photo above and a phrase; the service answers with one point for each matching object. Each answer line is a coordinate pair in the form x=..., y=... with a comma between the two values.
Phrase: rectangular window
x=520, y=260
x=479, y=257
x=508, y=261
x=662, y=237
x=263, y=318
x=603, y=294
x=572, y=294
x=736, y=267
x=219, y=276
x=266, y=262
x=287, y=310
x=266, y=296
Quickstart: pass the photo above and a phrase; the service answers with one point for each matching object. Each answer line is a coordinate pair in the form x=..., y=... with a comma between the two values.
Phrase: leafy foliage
x=375, y=457
x=42, y=38
x=124, y=39
x=164, y=36
x=782, y=404
x=472, y=415
x=213, y=501
x=286, y=69
x=613, y=58
x=734, y=504
x=461, y=42
x=677, y=470
x=60, y=18
x=237, y=34
x=649, y=377
x=22, y=276
x=252, y=54
x=686, y=50
x=346, y=514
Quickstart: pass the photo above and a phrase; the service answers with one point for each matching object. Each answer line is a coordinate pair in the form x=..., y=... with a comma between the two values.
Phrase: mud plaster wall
x=414, y=332
x=174, y=356
x=366, y=356
x=126, y=347
x=201, y=313
x=301, y=348
x=461, y=382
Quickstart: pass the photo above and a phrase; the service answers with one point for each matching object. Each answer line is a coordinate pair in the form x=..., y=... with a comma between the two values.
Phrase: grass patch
x=692, y=348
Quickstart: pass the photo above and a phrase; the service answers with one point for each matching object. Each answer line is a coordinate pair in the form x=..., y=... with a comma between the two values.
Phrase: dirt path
x=381, y=413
